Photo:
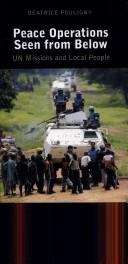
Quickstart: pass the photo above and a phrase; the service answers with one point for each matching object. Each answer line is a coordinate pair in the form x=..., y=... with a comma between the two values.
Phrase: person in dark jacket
x=4, y=172
x=50, y=174
x=110, y=168
x=109, y=148
x=32, y=173
x=94, y=168
x=47, y=174
x=102, y=173
x=40, y=170
x=65, y=173
x=22, y=174
x=75, y=172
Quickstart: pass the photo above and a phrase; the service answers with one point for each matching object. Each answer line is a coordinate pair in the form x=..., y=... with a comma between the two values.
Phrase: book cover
x=64, y=133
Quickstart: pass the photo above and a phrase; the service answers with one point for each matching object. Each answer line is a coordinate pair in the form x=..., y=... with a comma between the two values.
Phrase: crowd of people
x=95, y=166
x=78, y=174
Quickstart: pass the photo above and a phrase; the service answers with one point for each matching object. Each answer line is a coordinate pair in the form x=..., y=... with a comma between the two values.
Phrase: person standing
x=60, y=100
x=47, y=173
x=70, y=152
x=110, y=168
x=85, y=169
x=109, y=147
x=22, y=174
x=65, y=173
x=11, y=173
x=75, y=172
x=93, y=153
x=32, y=173
x=50, y=174
x=69, y=157
x=4, y=172
x=102, y=173
x=40, y=170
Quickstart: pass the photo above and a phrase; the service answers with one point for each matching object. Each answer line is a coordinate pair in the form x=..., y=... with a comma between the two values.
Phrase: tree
x=115, y=78
x=7, y=91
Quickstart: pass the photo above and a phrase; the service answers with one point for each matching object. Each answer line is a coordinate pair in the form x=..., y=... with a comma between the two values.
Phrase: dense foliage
x=7, y=91
x=114, y=78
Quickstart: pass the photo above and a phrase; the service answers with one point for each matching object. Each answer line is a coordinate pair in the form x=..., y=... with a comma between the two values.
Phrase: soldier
x=78, y=102
x=93, y=118
x=91, y=111
x=60, y=100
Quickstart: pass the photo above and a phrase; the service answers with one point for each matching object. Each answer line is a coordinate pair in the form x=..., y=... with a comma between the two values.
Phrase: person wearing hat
x=60, y=100
x=91, y=116
x=78, y=102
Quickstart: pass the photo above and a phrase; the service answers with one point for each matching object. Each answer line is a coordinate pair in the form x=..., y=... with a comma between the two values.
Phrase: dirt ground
x=97, y=194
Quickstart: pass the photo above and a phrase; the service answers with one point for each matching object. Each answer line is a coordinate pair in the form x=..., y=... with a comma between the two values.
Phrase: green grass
x=30, y=109
x=114, y=117
x=34, y=107
x=1, y=187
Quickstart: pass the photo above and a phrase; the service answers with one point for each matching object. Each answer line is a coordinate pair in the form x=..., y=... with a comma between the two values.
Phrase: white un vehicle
x=69, y=130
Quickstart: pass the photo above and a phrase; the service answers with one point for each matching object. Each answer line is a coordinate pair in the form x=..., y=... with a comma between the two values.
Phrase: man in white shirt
x=85, y=162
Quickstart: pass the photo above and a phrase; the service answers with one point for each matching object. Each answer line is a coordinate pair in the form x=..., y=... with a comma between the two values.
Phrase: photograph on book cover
x=64, y=105
x=64, y=135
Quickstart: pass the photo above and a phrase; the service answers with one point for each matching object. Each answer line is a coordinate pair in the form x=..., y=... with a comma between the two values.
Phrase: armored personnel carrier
x=70, y=129
x=58, y=139
x=66, y=81
x=8, y=140
x=71, y=78
x=59, y=84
